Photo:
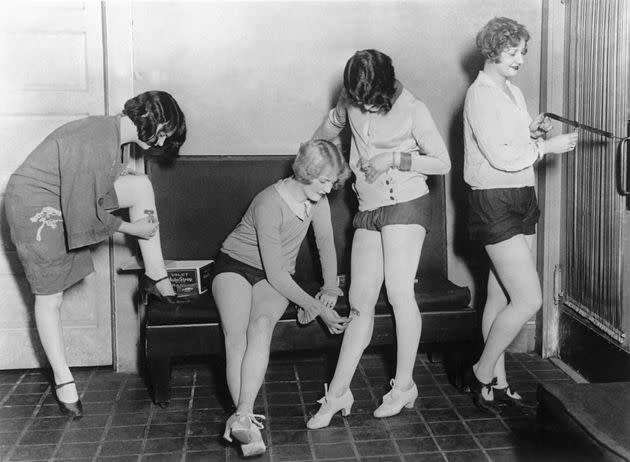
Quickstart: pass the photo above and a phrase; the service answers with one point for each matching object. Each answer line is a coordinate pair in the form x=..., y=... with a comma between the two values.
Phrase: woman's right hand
x=561, y=143
x=336, y=324
x=145, y=228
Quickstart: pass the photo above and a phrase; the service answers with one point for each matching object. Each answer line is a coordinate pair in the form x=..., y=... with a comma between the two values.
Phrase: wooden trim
x=550, y=172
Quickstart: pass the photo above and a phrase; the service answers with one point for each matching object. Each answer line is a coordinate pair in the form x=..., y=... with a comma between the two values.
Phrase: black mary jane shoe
x=74, y=409
x=476, y=387
x=148, y=289
x=511, y=398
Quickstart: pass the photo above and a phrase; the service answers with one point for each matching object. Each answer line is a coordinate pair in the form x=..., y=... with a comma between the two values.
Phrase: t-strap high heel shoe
x=148, y=287
x=74, y=409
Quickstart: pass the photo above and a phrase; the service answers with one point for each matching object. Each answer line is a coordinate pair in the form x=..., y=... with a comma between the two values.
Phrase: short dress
x=57, y=202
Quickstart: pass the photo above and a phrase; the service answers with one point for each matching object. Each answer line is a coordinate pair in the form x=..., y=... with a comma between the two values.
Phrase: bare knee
x=235, y=343
x=142, y=187
x=261, y=326
x=47, y=302
x=400, y=296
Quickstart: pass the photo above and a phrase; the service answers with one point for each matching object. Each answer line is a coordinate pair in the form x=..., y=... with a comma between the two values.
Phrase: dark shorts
x=413, y=212
x=226, y=264
x=496, y=215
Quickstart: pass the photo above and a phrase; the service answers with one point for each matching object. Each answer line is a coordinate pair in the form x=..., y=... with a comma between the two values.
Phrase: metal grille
x=598, y=69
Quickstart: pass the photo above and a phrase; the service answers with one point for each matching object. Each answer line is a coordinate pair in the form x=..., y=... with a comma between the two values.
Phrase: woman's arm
x=325, y=240
x=268, y=218
x=434, y=159
x=505, y=146
x=335, y=121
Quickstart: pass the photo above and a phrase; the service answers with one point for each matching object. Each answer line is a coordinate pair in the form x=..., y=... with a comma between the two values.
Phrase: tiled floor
x=121, y=423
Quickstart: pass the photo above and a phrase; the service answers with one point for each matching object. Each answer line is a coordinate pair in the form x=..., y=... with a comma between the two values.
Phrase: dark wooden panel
x=591, y=354
x=201, y=199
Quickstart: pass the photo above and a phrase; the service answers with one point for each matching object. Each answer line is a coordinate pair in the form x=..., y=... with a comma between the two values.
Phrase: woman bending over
x=395, y=145
x=252, y=284
x=58, y=204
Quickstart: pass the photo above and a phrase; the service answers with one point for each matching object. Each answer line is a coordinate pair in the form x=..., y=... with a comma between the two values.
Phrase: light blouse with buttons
x=407, y=127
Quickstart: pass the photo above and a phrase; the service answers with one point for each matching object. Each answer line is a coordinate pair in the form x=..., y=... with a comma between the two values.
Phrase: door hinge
x=557, y=285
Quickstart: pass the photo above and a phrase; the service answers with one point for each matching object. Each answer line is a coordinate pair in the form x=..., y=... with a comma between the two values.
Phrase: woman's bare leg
x=516, y=268
x=48, y=321
x=365, y=286
x=233, y=297
x=135, y=192
x=402, y=246
x=268, y=307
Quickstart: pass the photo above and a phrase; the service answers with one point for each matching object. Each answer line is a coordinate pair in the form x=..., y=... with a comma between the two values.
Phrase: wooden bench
x=200, y=200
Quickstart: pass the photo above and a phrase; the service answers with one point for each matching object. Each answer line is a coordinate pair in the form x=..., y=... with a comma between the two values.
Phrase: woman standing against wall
x=58, y=203
x=502, y=143
x=395, y=145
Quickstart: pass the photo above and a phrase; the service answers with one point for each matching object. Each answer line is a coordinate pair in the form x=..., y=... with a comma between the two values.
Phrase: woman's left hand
x=145, y=228
x=377, y=165
x=328, y=300
x=540, y=126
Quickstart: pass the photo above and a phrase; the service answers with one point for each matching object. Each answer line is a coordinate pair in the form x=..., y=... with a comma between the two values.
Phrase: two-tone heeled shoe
x=148, y=289
x=330, y=405
x=245, y=428
x=396, y=399
x=489, y=406
x=74, y=409
x=511, y=398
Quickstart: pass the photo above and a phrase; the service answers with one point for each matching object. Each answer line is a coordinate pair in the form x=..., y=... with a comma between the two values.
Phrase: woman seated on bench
x=252, y=283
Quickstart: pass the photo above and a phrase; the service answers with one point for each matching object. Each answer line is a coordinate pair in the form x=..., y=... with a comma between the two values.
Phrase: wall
x=258, y=77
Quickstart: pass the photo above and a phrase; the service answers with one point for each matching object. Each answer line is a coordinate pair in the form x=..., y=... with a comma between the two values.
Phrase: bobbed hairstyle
x=498, y=34
x=315, y=157
x=150, y=109
x=369, y=78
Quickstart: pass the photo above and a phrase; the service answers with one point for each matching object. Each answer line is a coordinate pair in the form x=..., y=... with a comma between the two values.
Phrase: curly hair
x=316, y=156
x=369, y=79
x=150, y=109
x=499, y=34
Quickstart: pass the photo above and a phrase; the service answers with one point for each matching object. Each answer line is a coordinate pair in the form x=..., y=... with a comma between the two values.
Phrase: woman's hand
x=336, y=324
x=561, y=143
x=540, y=126
x=328, y=300
x=145, y=228
x=377, y=165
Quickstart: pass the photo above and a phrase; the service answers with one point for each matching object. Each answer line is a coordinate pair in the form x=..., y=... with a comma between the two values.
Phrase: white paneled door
x=51, y=72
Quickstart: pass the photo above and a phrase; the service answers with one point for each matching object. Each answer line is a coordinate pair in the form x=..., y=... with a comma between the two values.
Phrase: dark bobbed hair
x=498, y=34
x=369, y=78
x=314, y=157
x=150, y=109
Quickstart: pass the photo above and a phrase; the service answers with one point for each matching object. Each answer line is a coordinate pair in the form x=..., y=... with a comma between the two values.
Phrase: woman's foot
x=245, y=427
x=396, y=399
x=68, y=399
x=256, y=446
x=510, y=397
x=330, y=405
x=482, y=393
x=160, y=288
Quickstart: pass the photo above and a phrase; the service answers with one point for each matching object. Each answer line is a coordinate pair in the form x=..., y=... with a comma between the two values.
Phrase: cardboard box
x=187, y=276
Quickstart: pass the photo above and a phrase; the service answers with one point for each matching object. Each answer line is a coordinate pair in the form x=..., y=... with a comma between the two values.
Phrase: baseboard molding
x=525, y=341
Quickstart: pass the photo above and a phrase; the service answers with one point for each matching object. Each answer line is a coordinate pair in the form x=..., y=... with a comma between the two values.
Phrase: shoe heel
x=346, y=410
x=411, y=404
x=254, y=448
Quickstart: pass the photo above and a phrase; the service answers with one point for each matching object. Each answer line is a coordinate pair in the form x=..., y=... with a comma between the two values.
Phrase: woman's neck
x=491, y=71
x=296, y=189
x=128, y=131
